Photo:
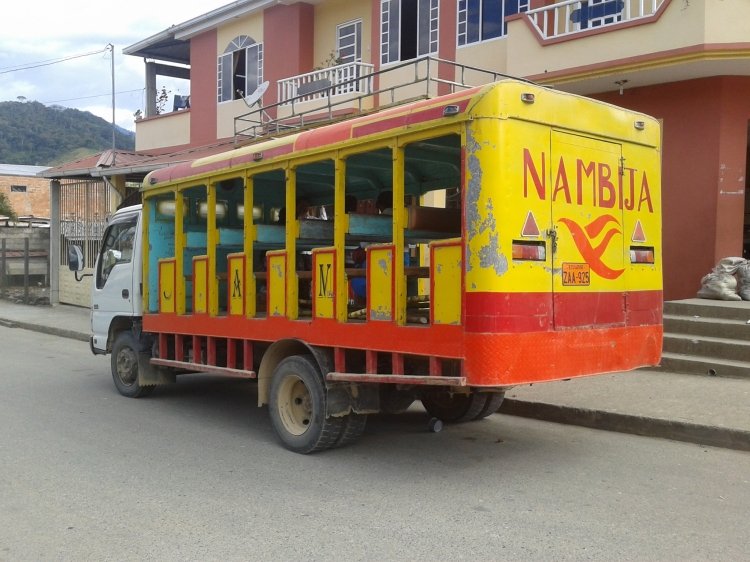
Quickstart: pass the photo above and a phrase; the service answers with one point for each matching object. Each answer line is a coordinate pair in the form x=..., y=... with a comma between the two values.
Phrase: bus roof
x=378, y=123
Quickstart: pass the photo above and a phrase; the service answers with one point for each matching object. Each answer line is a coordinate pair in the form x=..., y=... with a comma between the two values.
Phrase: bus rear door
x=588, y=262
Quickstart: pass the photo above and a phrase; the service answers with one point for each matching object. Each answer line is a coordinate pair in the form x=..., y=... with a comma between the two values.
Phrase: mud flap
x=150, y=375
x=344, y=398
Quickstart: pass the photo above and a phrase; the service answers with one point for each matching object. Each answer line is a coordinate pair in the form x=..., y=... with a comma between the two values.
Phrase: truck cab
x=116, y=295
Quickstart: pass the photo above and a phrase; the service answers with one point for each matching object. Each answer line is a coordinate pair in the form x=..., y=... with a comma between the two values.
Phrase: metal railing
x=354, y=77
x=259, y=123
x=576, y=16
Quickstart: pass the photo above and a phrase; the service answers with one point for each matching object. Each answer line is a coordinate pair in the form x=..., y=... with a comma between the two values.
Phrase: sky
x=40, y=33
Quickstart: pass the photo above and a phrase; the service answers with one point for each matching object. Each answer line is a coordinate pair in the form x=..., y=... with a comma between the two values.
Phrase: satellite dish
x=254, y=98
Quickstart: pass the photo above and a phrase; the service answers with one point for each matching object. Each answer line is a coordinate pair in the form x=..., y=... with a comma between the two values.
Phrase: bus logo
x=592, y=255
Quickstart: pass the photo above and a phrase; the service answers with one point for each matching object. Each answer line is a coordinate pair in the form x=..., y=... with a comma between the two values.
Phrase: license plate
x=576, y=274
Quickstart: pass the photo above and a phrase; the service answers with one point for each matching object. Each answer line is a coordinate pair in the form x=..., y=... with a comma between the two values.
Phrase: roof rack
x=341, y=92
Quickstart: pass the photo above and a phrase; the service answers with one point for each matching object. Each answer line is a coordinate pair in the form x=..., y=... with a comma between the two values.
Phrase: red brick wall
x=35, y=201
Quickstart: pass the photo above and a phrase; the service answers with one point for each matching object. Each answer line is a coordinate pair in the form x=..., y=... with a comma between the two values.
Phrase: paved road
x=194, y=472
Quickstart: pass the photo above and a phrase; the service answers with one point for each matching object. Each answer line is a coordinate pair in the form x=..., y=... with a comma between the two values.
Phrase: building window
x=349, y=42
x=18, y=189
x=408, y=29
x=479, y=20
x=595, y=13
x=240, y=69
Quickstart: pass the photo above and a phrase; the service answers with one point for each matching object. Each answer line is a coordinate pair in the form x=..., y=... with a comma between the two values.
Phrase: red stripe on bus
x=440, y=340
x=533, y=312
x=524, y=358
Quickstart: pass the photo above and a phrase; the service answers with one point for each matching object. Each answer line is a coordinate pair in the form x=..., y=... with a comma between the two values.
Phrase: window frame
x=356, y=41
x=464, y=10
x=426, y=32
x=240, y=47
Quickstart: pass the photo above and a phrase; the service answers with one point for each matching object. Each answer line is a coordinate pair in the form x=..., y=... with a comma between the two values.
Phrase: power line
x=90, y=97
x=48, y=62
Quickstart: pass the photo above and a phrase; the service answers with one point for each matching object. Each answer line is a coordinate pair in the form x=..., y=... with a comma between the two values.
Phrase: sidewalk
x=700, y=409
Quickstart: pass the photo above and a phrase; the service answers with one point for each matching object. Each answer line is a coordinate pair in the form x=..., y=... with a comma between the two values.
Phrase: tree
x=5, y=207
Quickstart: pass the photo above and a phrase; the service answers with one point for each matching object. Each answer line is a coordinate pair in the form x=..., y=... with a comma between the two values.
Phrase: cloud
x=85, y=82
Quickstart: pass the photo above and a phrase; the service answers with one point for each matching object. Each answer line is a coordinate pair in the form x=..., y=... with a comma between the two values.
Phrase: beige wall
x=250, y=25
x=488, y=55
x=682, y=25
x=168, y=129
x=72, y=291
x=330, y=14
x=228, y=110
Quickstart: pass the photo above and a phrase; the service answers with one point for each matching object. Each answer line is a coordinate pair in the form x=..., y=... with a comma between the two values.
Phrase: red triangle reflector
x=638, y=234
x=530, y=228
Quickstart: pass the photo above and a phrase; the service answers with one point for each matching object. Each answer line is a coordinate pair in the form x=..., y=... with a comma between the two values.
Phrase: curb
x=713, y=436
x=52, y=331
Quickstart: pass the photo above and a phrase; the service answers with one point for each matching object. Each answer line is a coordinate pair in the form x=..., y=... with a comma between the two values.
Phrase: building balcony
x=318, y=88
x=586, y=48
x=164, y=130
x=576, y=16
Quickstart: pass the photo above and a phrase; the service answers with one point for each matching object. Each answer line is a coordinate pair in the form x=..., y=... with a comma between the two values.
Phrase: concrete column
x=150, y=89
x=54, y=242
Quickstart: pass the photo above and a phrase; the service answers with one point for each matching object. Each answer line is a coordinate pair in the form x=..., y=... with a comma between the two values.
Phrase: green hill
x=36, y=135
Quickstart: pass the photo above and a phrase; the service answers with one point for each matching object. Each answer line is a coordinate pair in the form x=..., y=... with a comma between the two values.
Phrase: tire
x=454, y=408
x=352, y=429
x=494, y=399
x=297, y=406
x=125, y=366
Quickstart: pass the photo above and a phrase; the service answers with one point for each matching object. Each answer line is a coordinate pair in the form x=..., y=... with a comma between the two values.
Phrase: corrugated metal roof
x=134, y=165
x=19, y=170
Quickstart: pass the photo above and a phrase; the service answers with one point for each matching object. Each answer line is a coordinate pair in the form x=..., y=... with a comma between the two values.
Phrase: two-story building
x=685, y=62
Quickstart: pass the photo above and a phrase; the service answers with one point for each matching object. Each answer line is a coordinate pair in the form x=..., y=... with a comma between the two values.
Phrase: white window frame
x=427, y=30
x=345, y=40
x=462, y=20
x=226, y=62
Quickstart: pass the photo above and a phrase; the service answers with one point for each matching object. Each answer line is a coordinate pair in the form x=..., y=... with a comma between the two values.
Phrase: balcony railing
x=258, y=122
x=576, y=16
x=349, y=78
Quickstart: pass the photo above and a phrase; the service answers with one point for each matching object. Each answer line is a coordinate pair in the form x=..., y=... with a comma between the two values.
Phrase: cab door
x=114, y=284
x=587, y=230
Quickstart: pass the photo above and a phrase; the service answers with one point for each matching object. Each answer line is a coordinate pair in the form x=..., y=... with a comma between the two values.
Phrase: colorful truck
x=522, y=245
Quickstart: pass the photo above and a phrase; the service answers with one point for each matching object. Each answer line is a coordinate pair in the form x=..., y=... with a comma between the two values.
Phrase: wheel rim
x=295, y=405
x=127, y=366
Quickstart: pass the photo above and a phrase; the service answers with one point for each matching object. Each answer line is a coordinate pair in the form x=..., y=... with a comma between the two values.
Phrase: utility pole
x=111, y=48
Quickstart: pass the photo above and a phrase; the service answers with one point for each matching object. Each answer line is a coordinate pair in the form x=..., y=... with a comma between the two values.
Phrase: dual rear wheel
x=457, y=408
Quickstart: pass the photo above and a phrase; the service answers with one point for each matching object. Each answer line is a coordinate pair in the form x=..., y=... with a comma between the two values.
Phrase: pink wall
x=705, y=124
x=288, y=43
x=203, y=88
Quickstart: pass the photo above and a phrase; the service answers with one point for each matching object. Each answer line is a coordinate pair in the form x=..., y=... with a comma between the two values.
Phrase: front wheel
x=125, y=366
x=298, y=406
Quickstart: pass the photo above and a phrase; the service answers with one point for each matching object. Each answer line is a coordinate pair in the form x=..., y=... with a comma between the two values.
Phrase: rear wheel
x=457, y=408
x=352, y=429
x=298, y=407
x=125, y=366
x=494, y=399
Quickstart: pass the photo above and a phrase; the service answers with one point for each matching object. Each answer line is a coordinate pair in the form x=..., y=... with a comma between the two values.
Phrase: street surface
x=194, y=472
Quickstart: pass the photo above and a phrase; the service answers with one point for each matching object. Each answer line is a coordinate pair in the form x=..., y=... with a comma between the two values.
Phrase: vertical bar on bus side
x=249, y=239
x=179, y=251
x=399, y=223
x=340, y=228
x=212, y=240
x=292, y=232
x=143, y=281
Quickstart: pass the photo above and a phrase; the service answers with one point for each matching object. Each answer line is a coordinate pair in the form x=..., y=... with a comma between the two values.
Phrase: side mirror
x=75, y=258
